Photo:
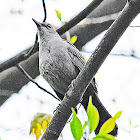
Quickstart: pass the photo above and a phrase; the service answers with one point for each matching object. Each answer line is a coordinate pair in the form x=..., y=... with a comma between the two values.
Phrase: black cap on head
x=38, y=24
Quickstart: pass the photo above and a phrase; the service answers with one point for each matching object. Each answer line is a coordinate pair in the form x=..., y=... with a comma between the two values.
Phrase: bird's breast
x=58, y=70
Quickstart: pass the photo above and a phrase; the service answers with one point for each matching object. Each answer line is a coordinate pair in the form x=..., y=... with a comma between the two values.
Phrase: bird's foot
x=57, y=108
x=72, y=84
x=70, y=87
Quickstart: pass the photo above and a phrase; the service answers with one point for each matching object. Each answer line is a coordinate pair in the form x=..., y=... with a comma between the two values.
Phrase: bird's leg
x=70, y=87
x=57, y=108
x=72, y=84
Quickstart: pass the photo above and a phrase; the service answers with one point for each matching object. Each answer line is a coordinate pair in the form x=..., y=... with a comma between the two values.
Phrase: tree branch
x=79, y=17
x=17, y=59
x=12, y=80
x=75, y=93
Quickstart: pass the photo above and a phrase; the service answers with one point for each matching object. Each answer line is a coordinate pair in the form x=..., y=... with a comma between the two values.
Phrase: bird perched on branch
x=60, y=62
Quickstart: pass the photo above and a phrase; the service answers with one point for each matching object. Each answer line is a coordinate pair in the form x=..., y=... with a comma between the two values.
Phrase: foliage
x=58, y=14
x=72, y=39
x=76, y=127
x=92, y=123
x=93, y=116
x=39, y=124
x=109, y=125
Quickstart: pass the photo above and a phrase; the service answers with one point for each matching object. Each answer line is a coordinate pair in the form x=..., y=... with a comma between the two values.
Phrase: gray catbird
x=60, y=62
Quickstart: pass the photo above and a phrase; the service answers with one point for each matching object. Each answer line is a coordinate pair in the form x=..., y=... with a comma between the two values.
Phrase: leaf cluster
x=93, y=119
x=72, y=39
x=39, y=124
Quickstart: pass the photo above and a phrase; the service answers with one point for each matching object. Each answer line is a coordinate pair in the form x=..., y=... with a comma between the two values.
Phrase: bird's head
x=44, y=28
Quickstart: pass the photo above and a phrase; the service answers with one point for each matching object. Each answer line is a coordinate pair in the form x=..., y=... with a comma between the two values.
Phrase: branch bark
x=75, y=93
x=11, y=80
x=79, y=17
x=87, y=32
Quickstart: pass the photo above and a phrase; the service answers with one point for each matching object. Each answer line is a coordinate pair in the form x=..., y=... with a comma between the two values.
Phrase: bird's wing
x=76, y=57
x=79, y=61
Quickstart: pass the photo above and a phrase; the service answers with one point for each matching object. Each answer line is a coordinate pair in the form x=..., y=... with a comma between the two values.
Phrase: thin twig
x=45, y=12
x=30, y=78
x=134, y=26
x=36, y=38
x=121, y=54
x=126, y=55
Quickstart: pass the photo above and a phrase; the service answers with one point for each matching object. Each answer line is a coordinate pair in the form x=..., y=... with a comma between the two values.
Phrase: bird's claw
x=72, y=84
x=56, y=108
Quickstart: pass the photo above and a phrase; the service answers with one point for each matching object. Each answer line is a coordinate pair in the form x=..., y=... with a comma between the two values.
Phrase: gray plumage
x=60, y=62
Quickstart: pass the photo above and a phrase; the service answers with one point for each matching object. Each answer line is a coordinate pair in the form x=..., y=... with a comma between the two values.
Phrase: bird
x=60, y=62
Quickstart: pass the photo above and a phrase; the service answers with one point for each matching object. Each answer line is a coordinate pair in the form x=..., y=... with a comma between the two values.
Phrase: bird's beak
x=38, y=24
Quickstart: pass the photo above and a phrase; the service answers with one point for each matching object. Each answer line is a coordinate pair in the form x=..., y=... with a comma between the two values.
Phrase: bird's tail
x=103, y=113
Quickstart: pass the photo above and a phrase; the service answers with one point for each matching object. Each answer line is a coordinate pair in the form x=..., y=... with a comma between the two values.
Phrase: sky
x=118, y=78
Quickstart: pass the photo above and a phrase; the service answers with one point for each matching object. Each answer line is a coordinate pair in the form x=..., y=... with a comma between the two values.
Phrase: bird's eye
x=48, y=26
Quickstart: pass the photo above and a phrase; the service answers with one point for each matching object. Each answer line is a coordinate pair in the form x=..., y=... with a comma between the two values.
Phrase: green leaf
x=108, y=126
x=135, y=126
x=117, y=116
x=73, y=39
x=99, y=138
x=86, y=123
x=93, y=116
x=130, y=122
x=76, y=127
x=104, y=137
x=58, y=14
x=64, y=22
